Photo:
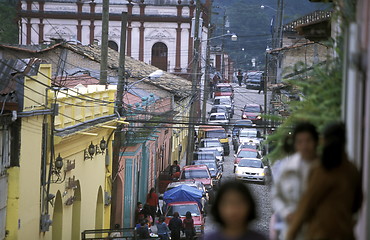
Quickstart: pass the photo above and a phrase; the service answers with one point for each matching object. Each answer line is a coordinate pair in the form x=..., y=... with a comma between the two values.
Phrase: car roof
x=223, y=85
x=248, y=130
x=219, y=106
x=252, y=105
x=205, y=152
x=182, y=183
x=254, y=159
x=189, y=167
x=199, y=183
x=210, y=140
x=218, y=97
x=182, y=203
x=222, y=113
x=248, y=150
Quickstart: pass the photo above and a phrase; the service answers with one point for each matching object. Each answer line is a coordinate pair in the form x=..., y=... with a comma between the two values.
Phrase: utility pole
x=207, y=70
x=223, y=47
x=194, y=83
x=118, y=139
x=104, y=44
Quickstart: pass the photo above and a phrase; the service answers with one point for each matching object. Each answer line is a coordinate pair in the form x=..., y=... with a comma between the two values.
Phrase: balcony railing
x=310, y=18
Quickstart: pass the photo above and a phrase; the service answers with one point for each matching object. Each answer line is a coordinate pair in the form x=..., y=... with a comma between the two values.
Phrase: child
x=234, y=209
x=163, y=231
x=188, y=226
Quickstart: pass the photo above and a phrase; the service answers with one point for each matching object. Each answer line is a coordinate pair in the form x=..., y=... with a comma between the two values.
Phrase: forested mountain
x=252, y=24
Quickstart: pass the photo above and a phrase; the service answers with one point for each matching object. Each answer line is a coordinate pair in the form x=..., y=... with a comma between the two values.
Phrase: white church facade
x=158, y=31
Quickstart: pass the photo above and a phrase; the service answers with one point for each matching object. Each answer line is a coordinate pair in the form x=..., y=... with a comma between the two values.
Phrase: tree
x=9, y=26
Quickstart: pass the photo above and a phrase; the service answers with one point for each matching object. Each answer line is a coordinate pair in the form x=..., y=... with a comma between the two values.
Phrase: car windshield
x=182, y=209
x=254, y=109
x=211, y=144
x=222, y=101
x=249, y=134
x=216, y=134
x=249, y=146
x=244, y=123
x=217, y=117
x=194, y=173
x=224, y=89
x=247, y=154
x=211, y=166
x=219, y=110
x=250, y=163
x=203, y=156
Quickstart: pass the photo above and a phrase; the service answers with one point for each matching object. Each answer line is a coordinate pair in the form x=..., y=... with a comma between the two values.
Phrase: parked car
x=250, y=145
x=215, y=132
x=219, y=157
x=183, y=199
x=249, y=135
x=199, y=173
x=253, y=112
x=214, y=169
x=224, y=89
x=219, y=109
x=253, y=80
x=218, y=118
x=212, y=143
x=195, y=184
x=226, y=101
x=251, y=169
x=239, y=124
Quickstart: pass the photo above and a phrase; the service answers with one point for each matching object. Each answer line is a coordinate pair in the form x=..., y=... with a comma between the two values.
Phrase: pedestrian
x=139, y=212
x=233, y=210
x=188, y=226
x=175, y=168
x=162, y=229
x=175, y=225
x=333, y=195
x=291, y=178
x=143, y=230
x=211, y=87
x=262, y=84
x=153, y=202
x=239, y=76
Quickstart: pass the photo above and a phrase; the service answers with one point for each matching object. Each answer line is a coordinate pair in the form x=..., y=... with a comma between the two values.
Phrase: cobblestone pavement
x=260, y=192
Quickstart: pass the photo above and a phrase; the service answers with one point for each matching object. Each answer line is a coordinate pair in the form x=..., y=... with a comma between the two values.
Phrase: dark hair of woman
x=288, y=147
x=150, y=192
x=334, y=145
x=176, y=215
x=240, y=188
x=306, y=127
x=161, y=219
x=188, y=215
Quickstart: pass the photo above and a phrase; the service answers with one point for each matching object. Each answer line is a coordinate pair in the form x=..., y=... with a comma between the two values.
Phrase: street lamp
x=267, y=6
x=233, y=36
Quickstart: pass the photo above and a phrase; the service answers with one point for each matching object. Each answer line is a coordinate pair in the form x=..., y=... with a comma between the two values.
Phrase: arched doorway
x=76, y=213
x=113, y=45
x=99, y=211
x=57, y=226
x=159, y=55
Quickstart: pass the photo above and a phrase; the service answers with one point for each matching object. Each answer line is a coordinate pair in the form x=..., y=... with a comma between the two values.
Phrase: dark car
x=206, y=156
x=253, y=80
x=252, y=112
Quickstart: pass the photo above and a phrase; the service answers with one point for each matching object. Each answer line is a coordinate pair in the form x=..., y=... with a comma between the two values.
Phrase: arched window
x=113, y=45
x=159, y=55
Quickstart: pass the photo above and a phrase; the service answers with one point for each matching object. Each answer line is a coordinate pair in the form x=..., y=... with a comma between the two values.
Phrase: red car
x=252, y=112
x=199, y=173
x=246, y=153
x=224, y=89
x=182, y=208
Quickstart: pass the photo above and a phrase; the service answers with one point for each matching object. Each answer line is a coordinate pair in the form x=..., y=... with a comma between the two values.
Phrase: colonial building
x=158, y=32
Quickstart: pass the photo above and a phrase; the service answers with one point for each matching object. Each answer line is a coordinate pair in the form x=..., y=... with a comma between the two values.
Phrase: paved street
x=260, y=192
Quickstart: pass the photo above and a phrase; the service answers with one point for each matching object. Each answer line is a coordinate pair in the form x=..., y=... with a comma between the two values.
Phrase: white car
x=218, y=118
x=212, y=143
x=225, y=101
x=250, y=169
x=249, y=135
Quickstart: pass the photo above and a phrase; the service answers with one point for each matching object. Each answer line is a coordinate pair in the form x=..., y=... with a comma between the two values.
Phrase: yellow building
x=73, y=195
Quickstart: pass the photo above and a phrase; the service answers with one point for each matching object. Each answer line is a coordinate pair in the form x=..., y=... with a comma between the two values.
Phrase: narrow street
x=260, y=192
